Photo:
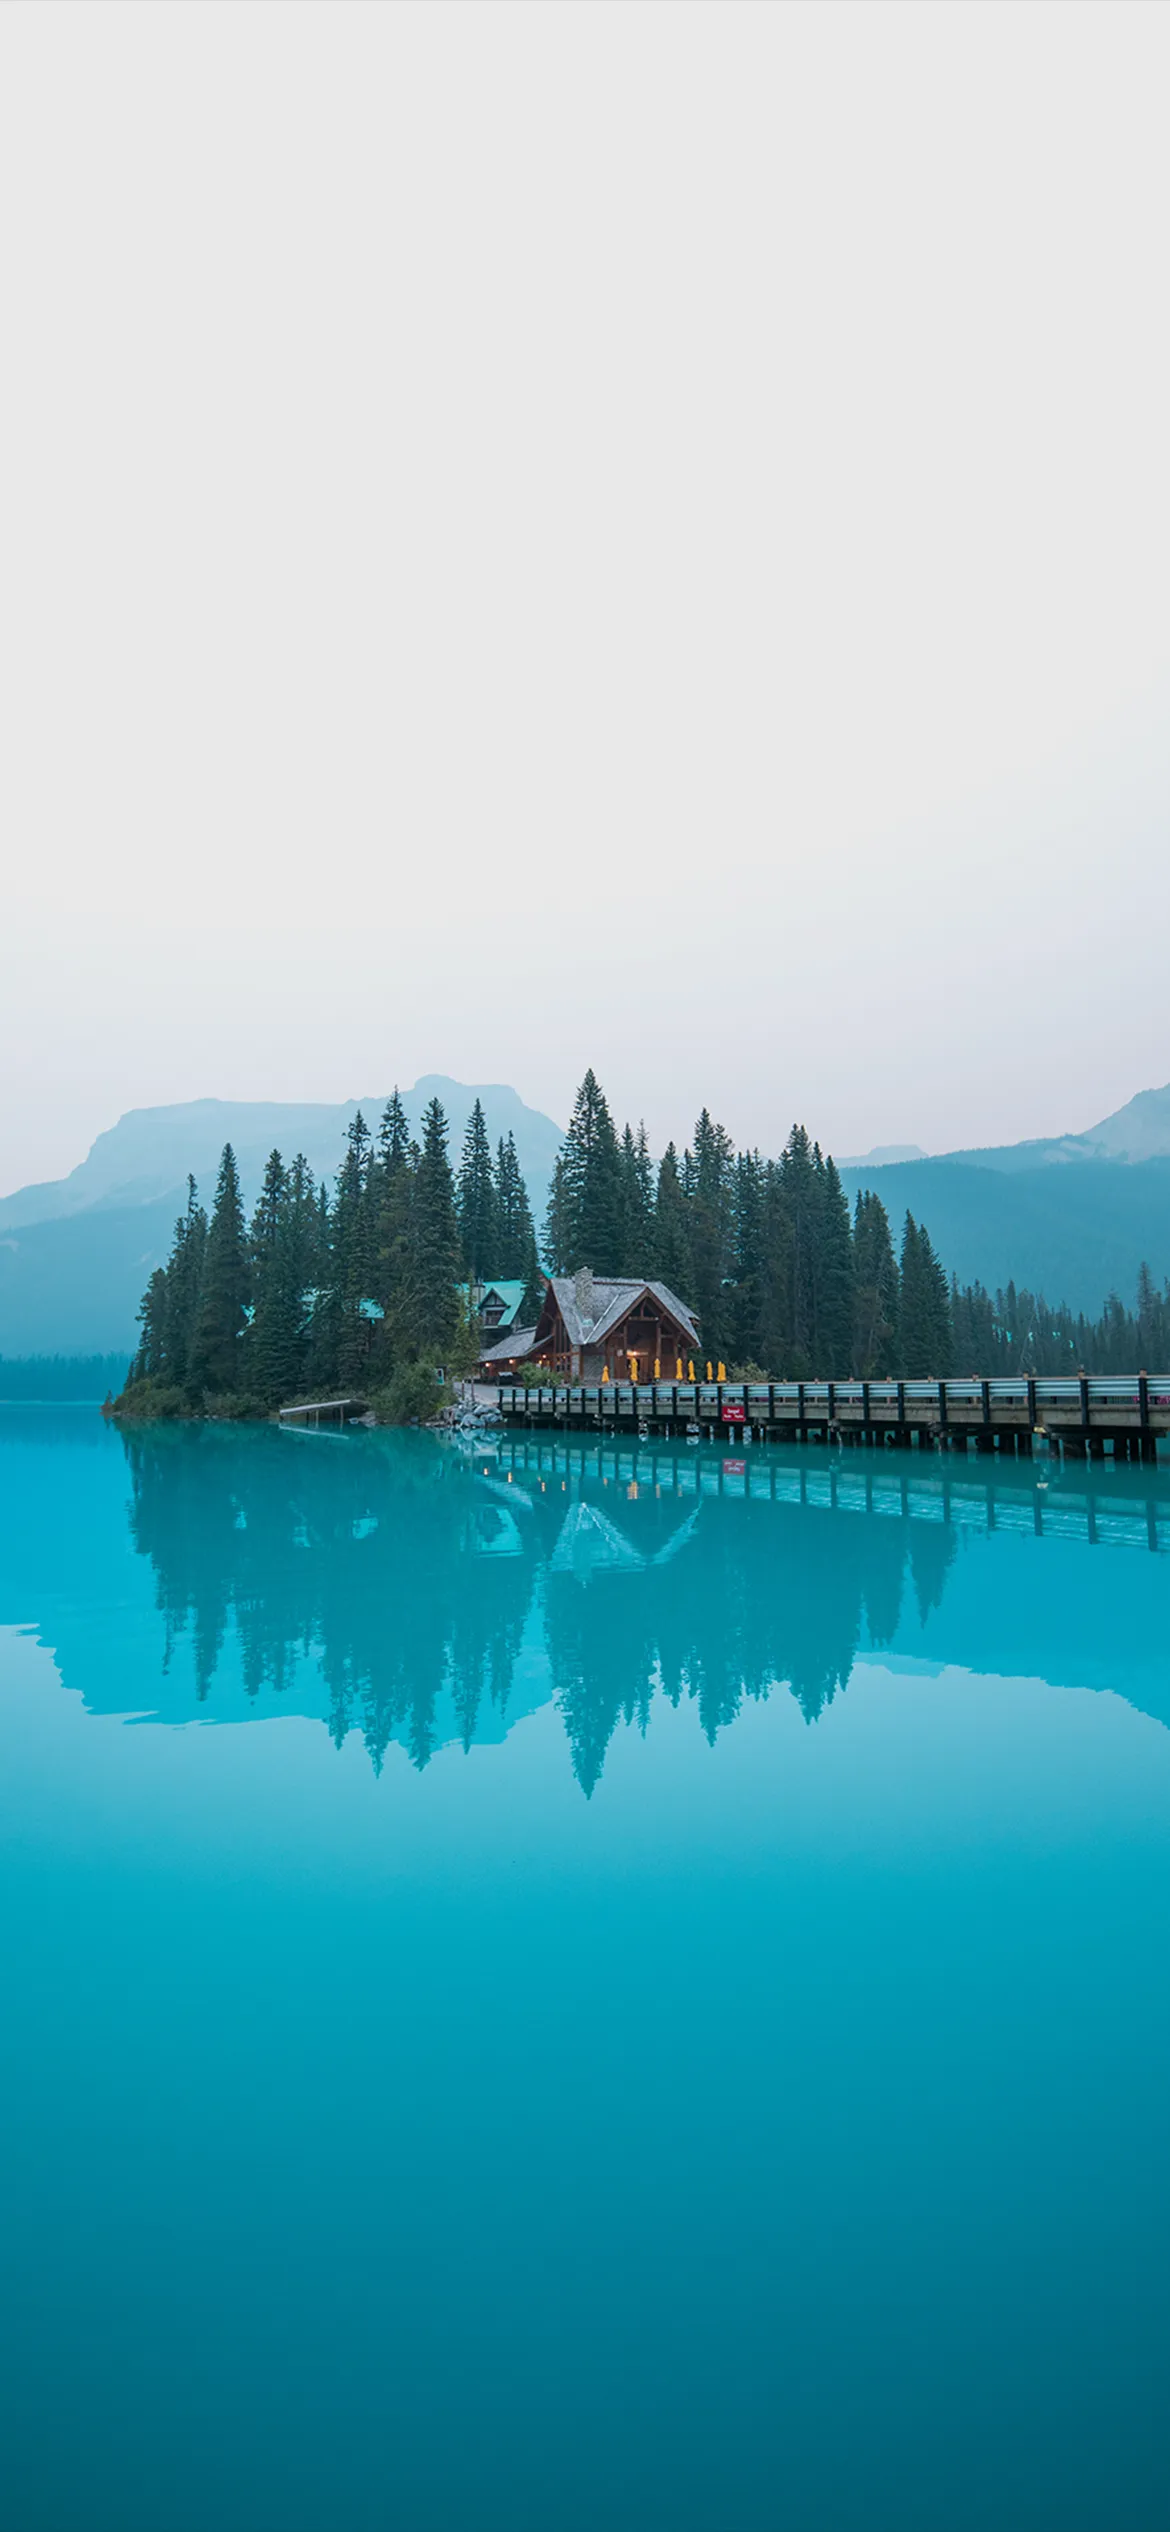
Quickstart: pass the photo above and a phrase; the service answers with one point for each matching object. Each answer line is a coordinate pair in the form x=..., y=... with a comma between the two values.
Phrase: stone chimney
x=583, y=1296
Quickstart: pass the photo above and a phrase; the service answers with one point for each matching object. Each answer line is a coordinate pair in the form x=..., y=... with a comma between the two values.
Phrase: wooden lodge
x=601, y=1327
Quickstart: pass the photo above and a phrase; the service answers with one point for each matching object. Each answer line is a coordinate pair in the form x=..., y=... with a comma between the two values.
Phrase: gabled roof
x=510, y=1292
x=614, y=1296
x=520, y=1341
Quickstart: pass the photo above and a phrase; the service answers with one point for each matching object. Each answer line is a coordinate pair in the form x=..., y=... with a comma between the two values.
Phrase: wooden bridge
x=1126, y=1414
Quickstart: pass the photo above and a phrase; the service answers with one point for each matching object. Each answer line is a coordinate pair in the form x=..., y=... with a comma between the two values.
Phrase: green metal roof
x=510, y=1293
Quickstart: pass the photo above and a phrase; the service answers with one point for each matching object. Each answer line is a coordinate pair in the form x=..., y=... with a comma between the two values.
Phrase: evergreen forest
x=367, y=1287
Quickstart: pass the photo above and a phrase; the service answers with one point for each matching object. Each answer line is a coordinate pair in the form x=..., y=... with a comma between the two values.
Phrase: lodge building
x=596, y=1326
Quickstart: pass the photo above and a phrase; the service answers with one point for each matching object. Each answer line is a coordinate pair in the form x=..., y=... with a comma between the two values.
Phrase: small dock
x=325, y=1410
x=1127, y=1415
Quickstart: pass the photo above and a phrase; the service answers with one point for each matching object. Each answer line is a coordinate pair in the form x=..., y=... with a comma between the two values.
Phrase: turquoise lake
x=569, y=1987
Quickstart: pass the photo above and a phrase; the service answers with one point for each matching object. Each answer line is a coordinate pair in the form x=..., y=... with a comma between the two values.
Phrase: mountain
x=1140, y=1131
x=1070, y=1215
x=1075, y=1234
x=76, y=1252
x=882, y=1154
x=149, y=1152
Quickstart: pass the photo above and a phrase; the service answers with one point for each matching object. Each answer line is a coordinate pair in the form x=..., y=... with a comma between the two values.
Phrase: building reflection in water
x=399, y=1586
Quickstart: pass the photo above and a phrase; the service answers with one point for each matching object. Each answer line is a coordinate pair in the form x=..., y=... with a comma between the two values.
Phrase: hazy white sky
x=537, y=536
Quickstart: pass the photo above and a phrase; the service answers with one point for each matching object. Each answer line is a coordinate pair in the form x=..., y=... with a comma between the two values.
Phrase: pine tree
x=778, y=1350
x=671, y=1246
x=588, y=1186
x=393, y=1134
x=800, y=1184
x=1151, y=1320
x=711, y=1219
x=215, y=1361
x=924, y=1314
x=977, y=1347
x=184, y=1286
x=557, y=1240
x=150, y=1354
x=748, y=1255
x=352, y=1262
x=518, y=1261
x=835, y=1276
x=389, y=1196
x=436, y=1249
x=274, y=1339
x=875, y=1290
x=637, y=1202
x=478, y=1226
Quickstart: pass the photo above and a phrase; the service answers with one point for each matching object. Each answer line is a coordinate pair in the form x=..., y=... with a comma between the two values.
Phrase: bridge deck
x=1079, y=1413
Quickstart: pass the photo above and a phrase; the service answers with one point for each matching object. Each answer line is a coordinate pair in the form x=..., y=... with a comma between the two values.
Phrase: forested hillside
x=368, y=1288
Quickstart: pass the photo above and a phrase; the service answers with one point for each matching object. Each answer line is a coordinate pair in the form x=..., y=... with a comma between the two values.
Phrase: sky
x=533, y=537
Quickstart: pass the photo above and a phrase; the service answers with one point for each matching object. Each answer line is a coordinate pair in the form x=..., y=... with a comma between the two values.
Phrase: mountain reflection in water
x=395, y=1585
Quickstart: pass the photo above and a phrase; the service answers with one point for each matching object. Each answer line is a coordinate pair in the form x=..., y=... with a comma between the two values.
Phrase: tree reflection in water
x=409, y=1577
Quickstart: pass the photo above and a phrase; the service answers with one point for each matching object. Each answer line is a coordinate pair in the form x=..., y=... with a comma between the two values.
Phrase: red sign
x=733, y=1412
x=735, y=1467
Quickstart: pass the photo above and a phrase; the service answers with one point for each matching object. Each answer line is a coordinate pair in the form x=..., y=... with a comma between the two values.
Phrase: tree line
x=785, y=1280
x=60, y=1379
x=767, y=1594
x=366, y=1286
x=369, y=1286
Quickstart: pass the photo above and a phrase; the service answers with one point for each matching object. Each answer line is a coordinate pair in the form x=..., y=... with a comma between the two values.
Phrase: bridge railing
x=812, y=1400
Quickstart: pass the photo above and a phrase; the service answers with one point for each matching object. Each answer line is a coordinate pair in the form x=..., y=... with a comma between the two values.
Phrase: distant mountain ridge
x=76, y=1252
x=1070, y=1215
x=150, y=1151
x=1140, y=1131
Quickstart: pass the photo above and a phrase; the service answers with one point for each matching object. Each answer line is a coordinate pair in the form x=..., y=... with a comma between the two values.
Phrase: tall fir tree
x=215, y=1362
x=557, y=1240
x=875, y=1290
x=835, y=1277
x=184, y=1286
x=151, y=1351
x=711, y=1225
x=436, y=1248
x=390, y=1195
x=518, y=1261
x=637, y=1202
x=924, y=1311
x=800, y=1180
x=274, y=1341
x=478, y=1226
x=588, y=1186
x=748, y=1254
x=352, y=1260
x=671, y=1239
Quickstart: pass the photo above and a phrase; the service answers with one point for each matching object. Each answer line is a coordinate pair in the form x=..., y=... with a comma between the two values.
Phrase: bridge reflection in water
x=392, y=1585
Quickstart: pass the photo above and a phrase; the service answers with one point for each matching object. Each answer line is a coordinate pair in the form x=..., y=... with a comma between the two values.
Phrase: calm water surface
x=571, y=1988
